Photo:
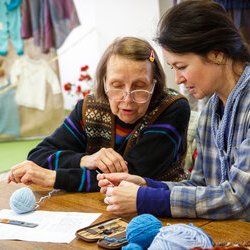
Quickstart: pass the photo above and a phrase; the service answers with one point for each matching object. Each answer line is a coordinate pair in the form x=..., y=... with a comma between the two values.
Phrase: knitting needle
x=105, y=178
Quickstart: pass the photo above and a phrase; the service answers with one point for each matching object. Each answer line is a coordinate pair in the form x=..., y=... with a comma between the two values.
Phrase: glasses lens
x=115, y=94
x=140, y=96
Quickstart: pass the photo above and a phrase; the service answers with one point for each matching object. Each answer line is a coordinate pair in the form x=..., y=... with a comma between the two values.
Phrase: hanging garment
x=4, y=84
x=9, y=124
x=48, y=21
x=10, y=26
x=30, y=77
x=240, y=13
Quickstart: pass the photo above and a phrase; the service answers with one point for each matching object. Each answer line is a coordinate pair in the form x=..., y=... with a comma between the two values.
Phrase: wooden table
x=93, y=202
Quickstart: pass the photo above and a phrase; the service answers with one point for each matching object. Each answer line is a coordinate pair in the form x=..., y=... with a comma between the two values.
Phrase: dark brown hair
x=134, y=49
x=200, y=27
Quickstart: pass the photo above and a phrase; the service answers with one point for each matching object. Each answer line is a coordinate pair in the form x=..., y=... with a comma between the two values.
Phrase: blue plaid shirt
x=203, y=196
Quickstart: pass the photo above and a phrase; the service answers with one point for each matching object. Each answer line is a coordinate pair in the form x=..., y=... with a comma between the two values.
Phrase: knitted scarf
x=226, y=126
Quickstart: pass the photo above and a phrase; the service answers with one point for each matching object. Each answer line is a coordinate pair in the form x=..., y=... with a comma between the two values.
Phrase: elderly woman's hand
x=106, y=159
x=28, y=173
x=121, y=200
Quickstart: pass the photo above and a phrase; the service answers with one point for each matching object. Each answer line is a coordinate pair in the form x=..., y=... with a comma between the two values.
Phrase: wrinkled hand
x=116, y=178
x=106, y=159
x=121, y=200
x=28, y=173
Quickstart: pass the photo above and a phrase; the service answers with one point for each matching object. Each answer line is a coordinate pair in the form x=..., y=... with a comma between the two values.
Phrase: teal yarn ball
x=142, y=229
x=132, y=246
x=22, y=200
x=181, y=237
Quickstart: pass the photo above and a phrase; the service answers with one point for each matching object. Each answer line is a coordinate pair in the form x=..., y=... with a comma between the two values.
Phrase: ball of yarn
x=181, y=237
x=142, y=229
x=22, y=200
x=132, y=246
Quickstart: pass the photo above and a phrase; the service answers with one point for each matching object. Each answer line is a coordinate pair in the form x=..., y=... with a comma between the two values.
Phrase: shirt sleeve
x=62, y=151
x=228, y=200
x=52, y=79
x=155, y=201
x=15, y=71
x=162, y=143
x=155, y=184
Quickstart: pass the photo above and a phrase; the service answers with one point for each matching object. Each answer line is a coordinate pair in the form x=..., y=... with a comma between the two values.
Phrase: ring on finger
x=107, y=200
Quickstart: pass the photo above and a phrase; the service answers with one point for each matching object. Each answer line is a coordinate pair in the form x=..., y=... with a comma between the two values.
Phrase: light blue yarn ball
x=132, y=246
x=181, y=237
x=22, y=200
x=142, y=229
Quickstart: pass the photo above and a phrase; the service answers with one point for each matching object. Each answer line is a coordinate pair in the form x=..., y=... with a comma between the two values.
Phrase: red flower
x=84, y=68
x=78, y=89
x=88, y=77
x=86, y=92
x=67, y=86
x=84, y=77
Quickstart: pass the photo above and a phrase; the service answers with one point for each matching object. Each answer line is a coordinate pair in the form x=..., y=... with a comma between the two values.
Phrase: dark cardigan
x=155, y=149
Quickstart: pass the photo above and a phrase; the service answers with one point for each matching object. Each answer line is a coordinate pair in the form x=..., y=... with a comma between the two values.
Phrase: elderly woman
x=131, y=124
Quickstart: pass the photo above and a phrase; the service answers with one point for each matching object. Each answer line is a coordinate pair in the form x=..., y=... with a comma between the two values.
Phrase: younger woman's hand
x=105, y=180
x=121, y=200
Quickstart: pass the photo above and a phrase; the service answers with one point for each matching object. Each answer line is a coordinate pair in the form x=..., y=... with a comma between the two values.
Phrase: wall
x=163, y=6
x=103, y=21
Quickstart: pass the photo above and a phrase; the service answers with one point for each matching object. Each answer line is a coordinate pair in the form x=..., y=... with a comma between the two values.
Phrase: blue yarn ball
x=22, y=200
x=142, y=229
x=132, y=246
x=181, y=237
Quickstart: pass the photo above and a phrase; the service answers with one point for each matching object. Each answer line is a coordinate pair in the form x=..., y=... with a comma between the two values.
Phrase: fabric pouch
x=109, y=234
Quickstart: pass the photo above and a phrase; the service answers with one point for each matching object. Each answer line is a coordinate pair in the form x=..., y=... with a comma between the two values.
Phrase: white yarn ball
x=181, y=237
x=22, y=200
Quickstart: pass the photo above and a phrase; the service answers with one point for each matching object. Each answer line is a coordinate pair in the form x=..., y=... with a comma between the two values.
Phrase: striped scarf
x=225, y=128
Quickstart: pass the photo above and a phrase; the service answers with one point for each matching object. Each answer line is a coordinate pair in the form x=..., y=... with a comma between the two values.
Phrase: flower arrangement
x=82, y=87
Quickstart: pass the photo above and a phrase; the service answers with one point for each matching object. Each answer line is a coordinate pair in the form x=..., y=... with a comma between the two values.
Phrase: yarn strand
x=54, y=191
x=23, y=200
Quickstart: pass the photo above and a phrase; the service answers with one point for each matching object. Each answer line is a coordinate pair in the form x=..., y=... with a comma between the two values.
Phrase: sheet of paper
x=57, y=227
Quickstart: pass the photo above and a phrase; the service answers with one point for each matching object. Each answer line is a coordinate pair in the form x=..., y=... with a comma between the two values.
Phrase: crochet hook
x=105, y=178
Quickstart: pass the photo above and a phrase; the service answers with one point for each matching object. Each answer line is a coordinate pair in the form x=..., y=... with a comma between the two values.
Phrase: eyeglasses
x=138, y=95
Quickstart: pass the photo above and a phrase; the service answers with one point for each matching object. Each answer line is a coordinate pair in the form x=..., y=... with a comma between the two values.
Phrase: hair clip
x=152, y=56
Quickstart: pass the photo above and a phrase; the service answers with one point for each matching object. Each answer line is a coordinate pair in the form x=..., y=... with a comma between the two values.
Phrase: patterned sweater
x=152, y=149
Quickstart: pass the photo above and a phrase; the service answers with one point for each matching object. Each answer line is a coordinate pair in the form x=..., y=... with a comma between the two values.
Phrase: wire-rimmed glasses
x=138, y=95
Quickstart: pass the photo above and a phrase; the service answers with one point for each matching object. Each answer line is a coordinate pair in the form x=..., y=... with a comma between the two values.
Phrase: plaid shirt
x=203, y=196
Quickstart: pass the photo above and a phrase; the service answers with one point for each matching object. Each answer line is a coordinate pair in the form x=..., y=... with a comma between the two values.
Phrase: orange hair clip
x=152, y=56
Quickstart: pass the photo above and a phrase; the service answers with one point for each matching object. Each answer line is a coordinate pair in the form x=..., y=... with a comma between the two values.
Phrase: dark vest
x=99, y=124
